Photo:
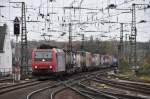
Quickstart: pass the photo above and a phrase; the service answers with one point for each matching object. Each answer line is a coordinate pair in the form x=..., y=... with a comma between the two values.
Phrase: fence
x=5, y=72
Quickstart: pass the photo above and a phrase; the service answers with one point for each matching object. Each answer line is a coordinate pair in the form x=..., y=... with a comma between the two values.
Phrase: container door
x=60, y=62
x=78, y=60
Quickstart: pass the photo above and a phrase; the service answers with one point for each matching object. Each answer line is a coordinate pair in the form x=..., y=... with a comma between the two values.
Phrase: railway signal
x=16, y=26
x=17, y=60
x=24, y=47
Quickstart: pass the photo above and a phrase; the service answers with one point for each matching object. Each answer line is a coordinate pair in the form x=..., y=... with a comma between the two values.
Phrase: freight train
x=55, y=61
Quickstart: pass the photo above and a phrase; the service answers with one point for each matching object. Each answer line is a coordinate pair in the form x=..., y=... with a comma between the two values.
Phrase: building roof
x=3, y=31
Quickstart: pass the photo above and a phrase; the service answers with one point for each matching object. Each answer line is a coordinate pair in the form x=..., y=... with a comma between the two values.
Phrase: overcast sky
x=56, y=15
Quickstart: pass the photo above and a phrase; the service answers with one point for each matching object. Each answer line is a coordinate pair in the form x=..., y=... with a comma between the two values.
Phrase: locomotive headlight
x=50, y=67
x=36, y=67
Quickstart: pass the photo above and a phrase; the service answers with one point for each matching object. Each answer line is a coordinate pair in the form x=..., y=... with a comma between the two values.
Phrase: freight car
x=109, y=60
x=106, y=60
x=96, y=61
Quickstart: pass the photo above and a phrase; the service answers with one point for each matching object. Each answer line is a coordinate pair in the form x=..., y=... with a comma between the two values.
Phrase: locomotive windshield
x=43, y=56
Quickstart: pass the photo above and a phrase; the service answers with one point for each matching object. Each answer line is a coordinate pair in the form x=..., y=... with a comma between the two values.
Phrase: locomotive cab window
x=43, y=56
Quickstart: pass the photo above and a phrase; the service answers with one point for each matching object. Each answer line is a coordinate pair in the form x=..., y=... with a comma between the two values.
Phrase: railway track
x=14, y=84
x=5, y=79
x=51, y=91
x=64, y=86
x=90, y=93
x=129, y=79
x=25, y=89
x=8, y=88
x=132, y=86
x=93, y=93
x=35, y=94
x=74, y=85
x=115, y=94
x=115, y=90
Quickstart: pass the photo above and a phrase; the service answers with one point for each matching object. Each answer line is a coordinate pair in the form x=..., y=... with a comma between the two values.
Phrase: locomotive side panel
x=60, y=62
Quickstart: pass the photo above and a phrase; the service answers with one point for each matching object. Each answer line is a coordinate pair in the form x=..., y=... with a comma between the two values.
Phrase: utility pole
x=24, y=48
x=70, y=44
x=121, y=42
x=122, y=47
x=82, y=46
x=70, y=36
x=126, y=47
x=133, y=53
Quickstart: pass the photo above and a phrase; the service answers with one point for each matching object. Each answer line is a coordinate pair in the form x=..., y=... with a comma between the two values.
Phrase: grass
x=130, y=75
x=126, y=72
x=144, y=78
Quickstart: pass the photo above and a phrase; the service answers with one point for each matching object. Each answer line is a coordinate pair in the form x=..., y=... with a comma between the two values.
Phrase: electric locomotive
x=48, y=61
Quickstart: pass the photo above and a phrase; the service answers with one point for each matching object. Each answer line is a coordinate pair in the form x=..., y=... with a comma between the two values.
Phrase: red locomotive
x=48, y=61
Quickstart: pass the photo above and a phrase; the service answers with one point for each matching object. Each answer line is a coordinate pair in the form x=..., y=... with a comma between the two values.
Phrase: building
x=5, y=51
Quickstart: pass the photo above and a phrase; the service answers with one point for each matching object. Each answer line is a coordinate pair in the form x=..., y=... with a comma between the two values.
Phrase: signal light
x=16, y=26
